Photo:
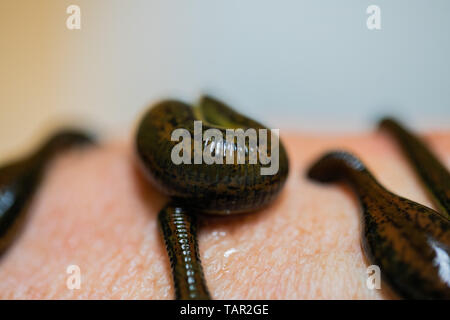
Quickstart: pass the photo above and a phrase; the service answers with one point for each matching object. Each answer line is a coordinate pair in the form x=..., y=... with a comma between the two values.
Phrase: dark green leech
x=179, y=229
x=432, y=172
x=212, y=189
x=19, y=181
x=408, y=241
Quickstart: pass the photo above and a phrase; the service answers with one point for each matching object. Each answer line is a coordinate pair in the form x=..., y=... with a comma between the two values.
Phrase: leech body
x=19, y=181
x=201, y=188
x=211, y=188
x=432, y=172
x=408, y=241
x=179, y=229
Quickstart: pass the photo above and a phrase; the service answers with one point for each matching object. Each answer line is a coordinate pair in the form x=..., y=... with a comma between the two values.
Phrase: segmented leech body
x=201, y=188
x=179, y=230
x=408, y=241
x=432, y=172
x=19, y=181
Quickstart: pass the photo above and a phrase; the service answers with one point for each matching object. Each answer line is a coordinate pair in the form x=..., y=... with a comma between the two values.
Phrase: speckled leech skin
x=20, y=179
x=408, y=241
x=222, y=189
x=434, y=174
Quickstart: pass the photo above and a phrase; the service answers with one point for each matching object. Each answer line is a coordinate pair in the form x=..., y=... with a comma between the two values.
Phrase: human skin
x=96, y=210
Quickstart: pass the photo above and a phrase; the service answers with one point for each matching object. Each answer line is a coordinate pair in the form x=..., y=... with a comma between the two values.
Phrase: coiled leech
x=408, y=241
x=432, y=172
x=200, y=188
x=20, y=179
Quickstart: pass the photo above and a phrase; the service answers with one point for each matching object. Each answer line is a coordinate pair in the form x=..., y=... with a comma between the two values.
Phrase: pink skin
x=95, y=210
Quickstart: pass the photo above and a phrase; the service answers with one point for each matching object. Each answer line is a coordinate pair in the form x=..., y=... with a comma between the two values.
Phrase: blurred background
x=304, y=65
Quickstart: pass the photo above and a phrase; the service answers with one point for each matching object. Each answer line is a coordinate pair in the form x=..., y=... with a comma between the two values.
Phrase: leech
x=432, y=172
x=220, y=189
x=408, y=241
x=179, y=229
x=19, y=181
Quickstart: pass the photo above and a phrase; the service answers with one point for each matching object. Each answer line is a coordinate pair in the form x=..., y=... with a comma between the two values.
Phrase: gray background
x=310, y=66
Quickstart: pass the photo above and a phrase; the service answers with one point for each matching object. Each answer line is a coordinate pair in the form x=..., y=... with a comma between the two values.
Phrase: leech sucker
x=214, y=188
x=431, y=171
x=408, y=241
x=179, y=229
x=20, y=179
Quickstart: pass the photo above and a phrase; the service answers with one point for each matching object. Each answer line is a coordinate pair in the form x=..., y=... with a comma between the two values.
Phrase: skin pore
x=94, y=209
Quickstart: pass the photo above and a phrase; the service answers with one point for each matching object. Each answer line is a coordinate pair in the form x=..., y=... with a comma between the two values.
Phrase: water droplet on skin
x=229, y=252
x=218, y=234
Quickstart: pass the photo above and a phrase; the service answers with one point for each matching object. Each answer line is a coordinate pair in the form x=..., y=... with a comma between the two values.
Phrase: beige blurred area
x=301, y=66
x=51, y=76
